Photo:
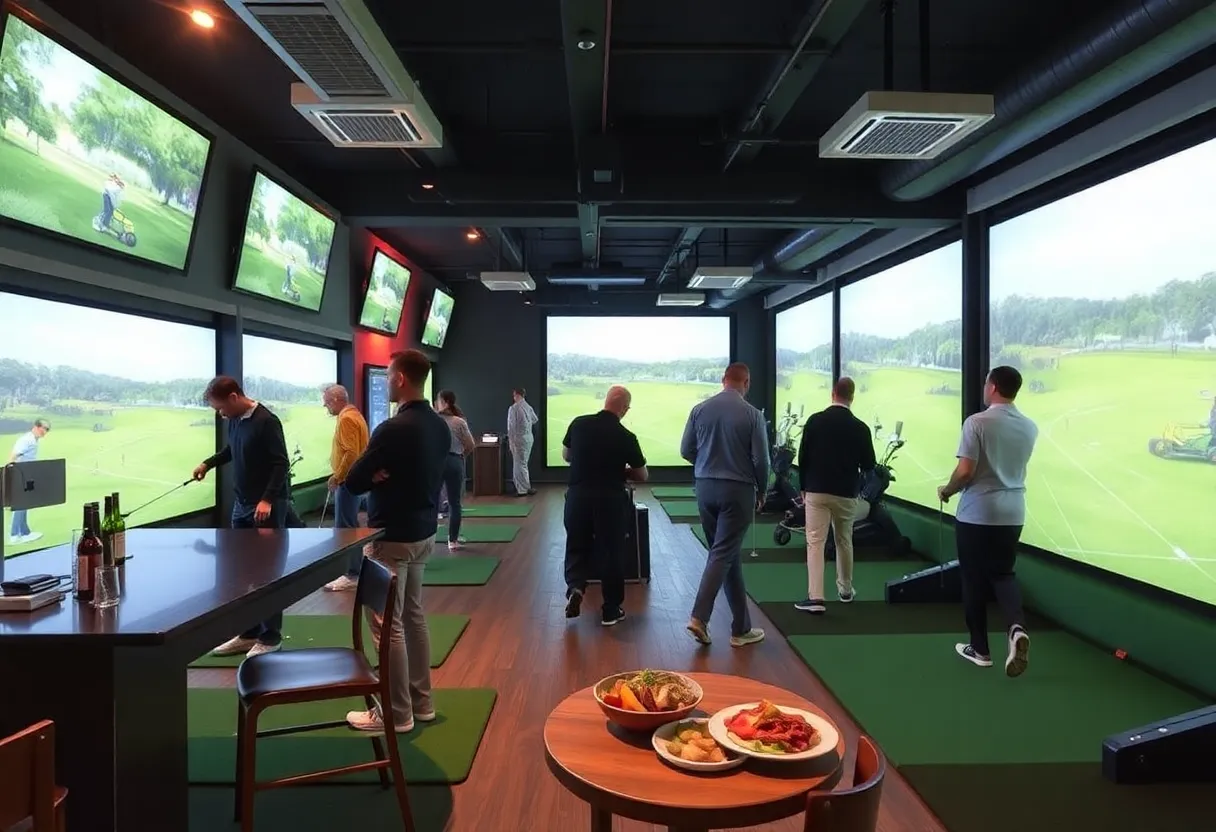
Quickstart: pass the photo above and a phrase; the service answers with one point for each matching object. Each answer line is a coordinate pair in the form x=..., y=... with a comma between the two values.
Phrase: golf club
x=941, y=533
x=324, y=509
x=127, y=514
x=755, y=510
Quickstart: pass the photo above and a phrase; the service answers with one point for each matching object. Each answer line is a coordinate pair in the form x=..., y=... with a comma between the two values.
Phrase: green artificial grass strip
x=758, y=535
x=877, y=617
x=673, y=492
x=435, y=752
x=1072, y=796
x=681, y=510
x=459, y=570
x=301, y=631
x=324, y=807
x=787, y=555
x=787, y=581
x=925, y=705
x=482, y=532
x=520, y=509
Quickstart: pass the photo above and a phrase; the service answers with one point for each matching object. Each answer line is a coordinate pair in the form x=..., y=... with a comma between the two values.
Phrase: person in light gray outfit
x=726, y=441
x=521, y=419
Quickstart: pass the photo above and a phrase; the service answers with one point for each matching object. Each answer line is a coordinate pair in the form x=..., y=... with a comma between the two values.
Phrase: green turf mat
x=520, y=509
x=673, y=492
x=436, y=752
x=334, y=631
x=482, y=532
x=1065, y=796
x=787, y=581
x=459, y=570
x=925, y=705
x=878, y=617
x=787, y=555
x=679, y=510
x=323, y=807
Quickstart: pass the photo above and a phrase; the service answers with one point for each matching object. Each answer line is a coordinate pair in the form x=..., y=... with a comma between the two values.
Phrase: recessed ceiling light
x=202, y=19
x=472, y=234
x=589, y=233
x=427, y=186
x=586, y=44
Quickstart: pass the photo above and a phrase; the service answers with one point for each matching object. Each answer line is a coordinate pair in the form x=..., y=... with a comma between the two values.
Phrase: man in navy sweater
x=402, y=472
x=258, y=453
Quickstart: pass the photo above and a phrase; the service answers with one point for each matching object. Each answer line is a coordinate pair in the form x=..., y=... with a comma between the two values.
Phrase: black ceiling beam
x=685, y=242
x=508, y=248
x=555, y=48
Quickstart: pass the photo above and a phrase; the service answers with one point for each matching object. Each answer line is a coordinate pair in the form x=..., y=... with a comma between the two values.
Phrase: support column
x=975, y=358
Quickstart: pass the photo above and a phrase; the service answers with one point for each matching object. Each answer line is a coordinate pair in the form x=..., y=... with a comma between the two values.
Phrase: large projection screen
x=803, y=340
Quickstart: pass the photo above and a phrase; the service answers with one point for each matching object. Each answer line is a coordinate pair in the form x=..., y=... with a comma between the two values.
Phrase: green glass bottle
x=120, y=533
x=107, y=533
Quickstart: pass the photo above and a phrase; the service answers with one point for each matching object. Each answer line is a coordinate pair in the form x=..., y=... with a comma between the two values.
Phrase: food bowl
x=664, y=735
x=648, y=720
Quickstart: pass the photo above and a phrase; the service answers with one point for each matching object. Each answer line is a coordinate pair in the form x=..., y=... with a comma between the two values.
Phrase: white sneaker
x=235, y=646
x=753, y=636
x=454, y=545
x=344, y=584
x=970, y=654
x=259, y=649
x=424, y=716
x=31, y=537
x=16, y=541
x=373, y=723
x=1019, y=652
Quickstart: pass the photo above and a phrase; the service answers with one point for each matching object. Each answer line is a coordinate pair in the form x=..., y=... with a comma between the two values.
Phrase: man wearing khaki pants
x=835, y=451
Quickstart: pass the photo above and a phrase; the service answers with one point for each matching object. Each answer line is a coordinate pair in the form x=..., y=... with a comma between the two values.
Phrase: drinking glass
x=106, y=590
x=76, y=535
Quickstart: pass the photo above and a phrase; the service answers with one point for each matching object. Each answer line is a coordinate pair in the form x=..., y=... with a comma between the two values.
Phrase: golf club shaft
x=941, y=534
x=126, y=514
x=324, y=509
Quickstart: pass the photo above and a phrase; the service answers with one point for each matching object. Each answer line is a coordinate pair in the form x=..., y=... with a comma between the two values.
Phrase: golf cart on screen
x=1184, y=442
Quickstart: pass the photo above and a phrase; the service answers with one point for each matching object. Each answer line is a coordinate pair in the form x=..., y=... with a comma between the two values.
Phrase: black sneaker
x=814, y=606
x=846, y=597
x=972, y=655
x=611, y=617
x=1019, y=652
x=574, y=603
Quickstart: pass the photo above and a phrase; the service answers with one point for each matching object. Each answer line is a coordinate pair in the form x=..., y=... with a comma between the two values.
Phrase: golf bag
x=783, y=495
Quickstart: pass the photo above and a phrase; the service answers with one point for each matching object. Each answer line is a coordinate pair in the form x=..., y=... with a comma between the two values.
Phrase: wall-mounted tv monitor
x=377, y=405
x=386, y=290
x=83, y=155
x=438, y=319
x=285, y=251
x=122, y=416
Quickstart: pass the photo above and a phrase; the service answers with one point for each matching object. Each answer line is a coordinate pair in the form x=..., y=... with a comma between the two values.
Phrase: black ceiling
x=523, y=109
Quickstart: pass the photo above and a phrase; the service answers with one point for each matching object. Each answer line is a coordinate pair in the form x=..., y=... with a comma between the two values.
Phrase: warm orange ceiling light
x=202, y=19
x=472, y=234
x=427, y=186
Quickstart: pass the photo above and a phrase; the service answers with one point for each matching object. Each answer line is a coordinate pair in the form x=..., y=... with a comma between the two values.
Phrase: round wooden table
x=618, y=772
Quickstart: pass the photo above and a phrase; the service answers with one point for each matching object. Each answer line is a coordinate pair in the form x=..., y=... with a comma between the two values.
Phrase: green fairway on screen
x=386, y=290
x=669, y=365
x=285, y=250
x=438, y=319
x=289, y=379
x=123, y=398
x=70, y=164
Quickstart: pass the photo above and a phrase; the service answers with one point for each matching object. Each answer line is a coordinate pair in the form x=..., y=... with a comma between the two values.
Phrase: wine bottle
x=107, y=533
x=88, y=554
x=120, y=533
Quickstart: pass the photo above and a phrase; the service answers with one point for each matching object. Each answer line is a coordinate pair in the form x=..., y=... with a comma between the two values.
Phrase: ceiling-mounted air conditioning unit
x=355, y=89
x=905, y=125
x=681, y=299
x=508, y=281
x=720, y=277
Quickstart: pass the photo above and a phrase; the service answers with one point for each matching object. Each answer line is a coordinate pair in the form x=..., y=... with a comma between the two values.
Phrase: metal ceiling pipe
x=1139, y=39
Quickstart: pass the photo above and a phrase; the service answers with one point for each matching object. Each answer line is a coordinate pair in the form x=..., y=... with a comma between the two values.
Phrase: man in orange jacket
x=350, y=441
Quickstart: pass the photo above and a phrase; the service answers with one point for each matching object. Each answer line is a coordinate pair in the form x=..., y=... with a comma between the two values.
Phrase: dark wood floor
x=520, y=643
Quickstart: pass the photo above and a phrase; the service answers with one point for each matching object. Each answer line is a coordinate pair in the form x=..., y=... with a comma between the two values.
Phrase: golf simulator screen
x=386, y=290
x=285, y=251
x=1106, y=302
x=84, y=156
x=804, y=366
x=669, y=365
x=289, y=378
x=438, y=319
x=118, y=397
x=901, y=342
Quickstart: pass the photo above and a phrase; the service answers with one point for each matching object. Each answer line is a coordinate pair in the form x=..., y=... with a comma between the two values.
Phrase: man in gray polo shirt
x=991, y=474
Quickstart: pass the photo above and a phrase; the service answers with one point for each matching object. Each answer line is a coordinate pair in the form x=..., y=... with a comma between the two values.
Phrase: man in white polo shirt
x=991, y=474
x=25, y=449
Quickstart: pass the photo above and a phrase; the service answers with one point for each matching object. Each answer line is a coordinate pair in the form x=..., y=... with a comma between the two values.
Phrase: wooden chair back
x=854, y=809
x=27, y=787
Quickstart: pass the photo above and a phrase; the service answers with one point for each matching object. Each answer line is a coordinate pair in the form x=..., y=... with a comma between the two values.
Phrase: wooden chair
x=854, y=809
x=317, y=674
x=29, y=799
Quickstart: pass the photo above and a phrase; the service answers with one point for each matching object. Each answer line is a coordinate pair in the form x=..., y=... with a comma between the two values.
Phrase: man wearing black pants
x=603, y=454
x=991, y=474
x=258, y=453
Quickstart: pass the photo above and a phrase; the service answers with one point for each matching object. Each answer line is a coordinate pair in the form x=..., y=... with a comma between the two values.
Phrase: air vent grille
x=317, y=42
x=888, y=124
x=370, y=127
x=508, y=281
x=901, y=135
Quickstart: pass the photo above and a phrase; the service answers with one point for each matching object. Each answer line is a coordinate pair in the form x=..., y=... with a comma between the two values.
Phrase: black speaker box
x=637, y=549
x=1179, y=749
x=935, y=585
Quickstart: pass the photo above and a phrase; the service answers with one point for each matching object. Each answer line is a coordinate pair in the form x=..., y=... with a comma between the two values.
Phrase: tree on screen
x=299, y=224
x=20, y=89
x=258, y=225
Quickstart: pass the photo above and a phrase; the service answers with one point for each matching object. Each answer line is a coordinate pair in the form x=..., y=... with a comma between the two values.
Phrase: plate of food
x=642, y=700
x=768, y=732
x=687, y=744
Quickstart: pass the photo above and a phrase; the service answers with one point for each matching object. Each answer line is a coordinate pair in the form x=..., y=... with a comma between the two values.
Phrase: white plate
x=828, y=735
x=666, y=732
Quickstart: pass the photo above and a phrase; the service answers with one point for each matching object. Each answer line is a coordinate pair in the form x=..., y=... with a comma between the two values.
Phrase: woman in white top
x=453, y=472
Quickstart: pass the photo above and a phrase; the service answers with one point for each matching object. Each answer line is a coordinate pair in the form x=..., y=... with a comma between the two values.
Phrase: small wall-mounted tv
x=285, y=249
x=438, y=318
x=84, y=156
x=377, y=404
x=386, y=289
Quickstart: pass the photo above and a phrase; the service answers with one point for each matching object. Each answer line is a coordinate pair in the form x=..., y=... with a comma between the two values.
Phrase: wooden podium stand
x=487, y=470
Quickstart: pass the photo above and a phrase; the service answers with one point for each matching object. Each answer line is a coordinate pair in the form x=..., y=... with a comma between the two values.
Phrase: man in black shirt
x=402, y=472
x=603, y=454
x=260, y=497
x=836, y=449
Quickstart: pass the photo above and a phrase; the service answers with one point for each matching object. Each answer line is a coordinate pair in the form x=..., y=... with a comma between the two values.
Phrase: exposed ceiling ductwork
x=1138, y=40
